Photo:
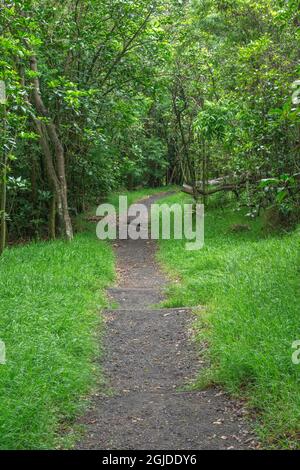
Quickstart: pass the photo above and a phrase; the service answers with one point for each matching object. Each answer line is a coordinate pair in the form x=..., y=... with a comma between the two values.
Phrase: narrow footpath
x=149, y=356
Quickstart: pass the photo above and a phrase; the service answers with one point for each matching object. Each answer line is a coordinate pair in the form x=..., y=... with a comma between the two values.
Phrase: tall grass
x=51, y=297
x=250, y=285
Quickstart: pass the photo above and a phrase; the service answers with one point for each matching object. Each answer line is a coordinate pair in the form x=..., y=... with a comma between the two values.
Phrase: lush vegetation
x=112, y=93
x=51, y=297
x=104, y=96
x=249, y=283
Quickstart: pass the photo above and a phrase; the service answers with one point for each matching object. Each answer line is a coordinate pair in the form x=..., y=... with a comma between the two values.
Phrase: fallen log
x=225, y=187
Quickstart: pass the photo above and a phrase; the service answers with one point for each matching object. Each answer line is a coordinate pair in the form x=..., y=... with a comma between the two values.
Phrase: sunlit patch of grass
x=250, y=284
x=51, y=298
x=138, y=194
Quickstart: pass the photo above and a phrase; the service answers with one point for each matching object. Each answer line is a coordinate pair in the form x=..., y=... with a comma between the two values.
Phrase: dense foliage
x=116, y=93
x=249, y=285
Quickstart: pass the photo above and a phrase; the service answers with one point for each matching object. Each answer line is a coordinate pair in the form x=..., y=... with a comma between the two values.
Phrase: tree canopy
x=118, y=93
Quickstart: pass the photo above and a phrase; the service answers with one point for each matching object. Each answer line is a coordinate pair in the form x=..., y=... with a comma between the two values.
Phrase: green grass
x=51, y=295
x=136, y=195
x=250, y=285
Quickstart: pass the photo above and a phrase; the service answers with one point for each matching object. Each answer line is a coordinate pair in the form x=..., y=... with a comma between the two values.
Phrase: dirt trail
x=149, y=357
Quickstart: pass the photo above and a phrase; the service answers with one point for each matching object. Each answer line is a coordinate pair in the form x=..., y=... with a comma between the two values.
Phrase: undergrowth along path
x=149, y=359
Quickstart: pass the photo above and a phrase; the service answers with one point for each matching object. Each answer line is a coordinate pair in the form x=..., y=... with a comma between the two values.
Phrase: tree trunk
x=204, y=173
x=52, y=217
x=3, y=196
x=40, y=127
x=57, y=175
x=2, y=211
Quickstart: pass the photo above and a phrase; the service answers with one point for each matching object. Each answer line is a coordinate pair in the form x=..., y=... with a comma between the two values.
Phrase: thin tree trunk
x=3, y=209
x=33, y=179
x=3, y=196
x=57, y=175
x=52, y=217
x=204, y=172
x=40, y=127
